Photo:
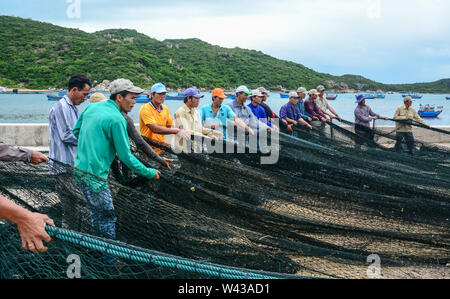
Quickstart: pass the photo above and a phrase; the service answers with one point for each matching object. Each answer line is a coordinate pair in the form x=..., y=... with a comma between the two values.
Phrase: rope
x=139, y=255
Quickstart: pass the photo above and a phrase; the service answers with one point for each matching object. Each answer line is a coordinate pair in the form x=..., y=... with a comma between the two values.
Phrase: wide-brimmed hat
x=302, y=89
x=360, y=98
x=293, y=94
x=408, y=99
x=313, y=91
x=257, y=93
x=321, y=88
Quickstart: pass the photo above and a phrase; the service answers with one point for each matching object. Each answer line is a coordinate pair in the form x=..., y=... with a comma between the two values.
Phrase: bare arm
x=240, y=123
x=31, y=226
x=163, y=130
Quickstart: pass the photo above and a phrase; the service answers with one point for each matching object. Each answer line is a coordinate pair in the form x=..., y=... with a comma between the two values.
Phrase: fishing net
x=332, y=201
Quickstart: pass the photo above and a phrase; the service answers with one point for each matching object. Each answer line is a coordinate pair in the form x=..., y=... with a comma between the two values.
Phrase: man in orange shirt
x=155, y=121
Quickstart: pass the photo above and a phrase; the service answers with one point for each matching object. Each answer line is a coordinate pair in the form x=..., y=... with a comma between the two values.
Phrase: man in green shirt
x=101, y=131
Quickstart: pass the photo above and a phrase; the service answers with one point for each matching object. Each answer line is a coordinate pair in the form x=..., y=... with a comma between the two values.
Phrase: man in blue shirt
x=63, y=145
x=62, y=120
x=257, y=109
x=302, y=92
x=290, y=112
x=216, y=116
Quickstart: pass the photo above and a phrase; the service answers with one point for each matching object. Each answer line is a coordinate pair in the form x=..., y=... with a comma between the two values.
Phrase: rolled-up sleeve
x=11, y=154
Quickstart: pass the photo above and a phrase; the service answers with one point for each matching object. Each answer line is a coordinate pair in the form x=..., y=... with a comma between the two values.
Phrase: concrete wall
x=37, y=135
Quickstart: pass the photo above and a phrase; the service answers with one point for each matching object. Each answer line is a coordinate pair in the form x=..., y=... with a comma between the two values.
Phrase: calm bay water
x=35, y=108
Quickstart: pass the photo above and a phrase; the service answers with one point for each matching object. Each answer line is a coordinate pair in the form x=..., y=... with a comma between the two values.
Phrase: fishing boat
x=379, y=96
x=284, y=94
x=175, y=98
x=142, y=99
x=331, y=97
x=231, y=96
x=413, y=96
x=53, y=97
x=447, y=98
x=430, y=111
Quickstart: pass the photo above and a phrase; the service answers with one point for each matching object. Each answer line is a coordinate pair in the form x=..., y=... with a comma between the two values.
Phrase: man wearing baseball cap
x=258, y=111
x=102, y=134
x=406, y=114
x=272, y=115
x=242, y=111
x=324, y=105
x=302, y=92
x=216, y=115
x=187, y=119
x=155, y=120
x=290, y=113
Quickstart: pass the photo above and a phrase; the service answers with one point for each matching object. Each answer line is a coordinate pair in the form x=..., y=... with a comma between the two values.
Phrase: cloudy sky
x=390, y=41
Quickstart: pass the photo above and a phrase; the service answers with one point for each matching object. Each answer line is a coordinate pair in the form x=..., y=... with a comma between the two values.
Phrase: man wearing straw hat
x=406, y=114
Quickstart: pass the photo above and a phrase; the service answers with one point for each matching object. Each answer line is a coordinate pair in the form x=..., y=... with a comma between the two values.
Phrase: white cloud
x=376, y=34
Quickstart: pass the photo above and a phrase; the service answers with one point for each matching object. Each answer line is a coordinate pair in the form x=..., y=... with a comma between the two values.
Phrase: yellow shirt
x=401, y=113
x=149, y=115
x=186, y=119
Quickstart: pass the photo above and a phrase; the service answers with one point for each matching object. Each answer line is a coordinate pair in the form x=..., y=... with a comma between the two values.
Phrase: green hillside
x=41, y=55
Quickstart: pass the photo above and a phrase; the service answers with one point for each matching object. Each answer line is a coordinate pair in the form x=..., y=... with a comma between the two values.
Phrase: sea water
x=35, y=108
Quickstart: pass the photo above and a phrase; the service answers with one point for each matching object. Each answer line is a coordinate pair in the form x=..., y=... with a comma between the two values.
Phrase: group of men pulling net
x=330, y=203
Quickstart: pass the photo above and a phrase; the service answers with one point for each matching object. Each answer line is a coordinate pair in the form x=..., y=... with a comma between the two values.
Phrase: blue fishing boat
x=379, y=96
x=175, y=98
x=413, y=96
x=231, y=96
x=285, y=94
x=54, y=98
x=447, y=98
x=430, y=111
x=142, y=99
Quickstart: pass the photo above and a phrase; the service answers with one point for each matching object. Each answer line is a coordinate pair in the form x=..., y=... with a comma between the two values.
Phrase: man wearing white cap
x=302, y=92
x=404, y=129
x=101, y=131
x=290, y=112
x=324, y=105
x=242, y=111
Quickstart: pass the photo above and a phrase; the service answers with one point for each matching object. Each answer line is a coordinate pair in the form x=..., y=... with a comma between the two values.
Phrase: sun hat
x=256, y=93
x=263, y=90
x=243, y=88
x=218, y=92
x=158, y=88
x=120, y=85
x=193, y=92
x=360, y=98
x=320, y=88
x=293, y=94
x=97, y=97
x=407, y=99
x=313, y=91
x=302, y=89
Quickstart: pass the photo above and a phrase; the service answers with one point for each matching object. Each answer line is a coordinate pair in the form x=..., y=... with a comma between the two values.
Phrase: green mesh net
x=333, y=200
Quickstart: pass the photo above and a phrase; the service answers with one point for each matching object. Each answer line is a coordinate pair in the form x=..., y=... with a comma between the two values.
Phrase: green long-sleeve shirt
x=102, y=133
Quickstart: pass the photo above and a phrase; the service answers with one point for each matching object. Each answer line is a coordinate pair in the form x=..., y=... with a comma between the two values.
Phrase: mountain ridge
x=42, y=55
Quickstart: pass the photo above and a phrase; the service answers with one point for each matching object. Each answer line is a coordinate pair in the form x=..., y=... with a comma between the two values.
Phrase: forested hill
x=41, y=55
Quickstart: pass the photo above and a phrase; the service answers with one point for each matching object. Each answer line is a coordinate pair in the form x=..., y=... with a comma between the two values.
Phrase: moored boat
x=430, y=111
x=413, y=96
x=331, y=97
